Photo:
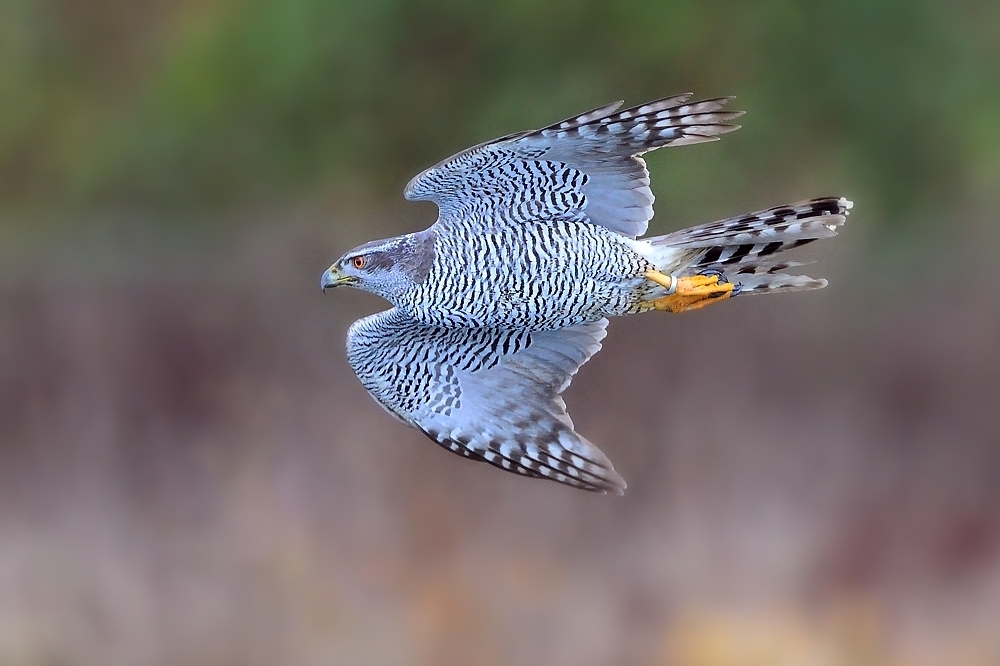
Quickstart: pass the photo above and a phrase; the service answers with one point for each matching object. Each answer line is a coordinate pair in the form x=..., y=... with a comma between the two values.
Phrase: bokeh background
x=190, y=474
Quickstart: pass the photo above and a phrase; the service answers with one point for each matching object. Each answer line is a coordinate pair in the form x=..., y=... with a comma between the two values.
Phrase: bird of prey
x=499, y=303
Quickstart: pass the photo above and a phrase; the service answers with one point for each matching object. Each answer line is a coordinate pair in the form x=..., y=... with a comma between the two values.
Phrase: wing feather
x=586, y=167
x=487, y=394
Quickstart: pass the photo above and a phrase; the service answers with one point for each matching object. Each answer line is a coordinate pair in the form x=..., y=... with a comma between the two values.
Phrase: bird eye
x=359, y=262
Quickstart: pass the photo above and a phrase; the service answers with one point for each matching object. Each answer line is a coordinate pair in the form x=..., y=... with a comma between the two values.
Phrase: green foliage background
x=171, y=105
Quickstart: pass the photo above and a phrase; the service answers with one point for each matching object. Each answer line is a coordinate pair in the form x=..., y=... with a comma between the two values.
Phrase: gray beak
x=333, y=278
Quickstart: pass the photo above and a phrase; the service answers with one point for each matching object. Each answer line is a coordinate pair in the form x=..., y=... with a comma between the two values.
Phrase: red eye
x=359, y=262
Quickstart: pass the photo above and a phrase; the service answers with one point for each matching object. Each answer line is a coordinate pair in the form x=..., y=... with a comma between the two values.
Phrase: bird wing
x=487, y=394
x=583, y=168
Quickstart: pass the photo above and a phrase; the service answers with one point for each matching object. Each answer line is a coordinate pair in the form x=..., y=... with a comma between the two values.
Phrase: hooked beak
x=334, y=278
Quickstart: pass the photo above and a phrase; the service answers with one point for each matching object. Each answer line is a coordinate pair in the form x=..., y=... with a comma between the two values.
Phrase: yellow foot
x=689, y=293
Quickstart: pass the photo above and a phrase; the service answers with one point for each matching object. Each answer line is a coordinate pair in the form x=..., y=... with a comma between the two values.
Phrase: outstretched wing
x=487, y=394
x=586, y=167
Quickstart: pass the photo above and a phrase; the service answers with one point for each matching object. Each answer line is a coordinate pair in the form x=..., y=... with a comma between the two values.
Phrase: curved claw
x=716, y=273
x=723, y=279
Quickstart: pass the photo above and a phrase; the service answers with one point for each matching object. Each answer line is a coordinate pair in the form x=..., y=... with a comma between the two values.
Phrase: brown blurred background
x=191, y=474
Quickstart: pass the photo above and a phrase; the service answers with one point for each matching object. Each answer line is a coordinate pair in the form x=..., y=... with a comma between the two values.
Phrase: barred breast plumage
x=531, y=276
x=500, y=302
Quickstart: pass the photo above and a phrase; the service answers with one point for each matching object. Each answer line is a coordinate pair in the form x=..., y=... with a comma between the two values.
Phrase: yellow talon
x=688, y=293
x=668, y=282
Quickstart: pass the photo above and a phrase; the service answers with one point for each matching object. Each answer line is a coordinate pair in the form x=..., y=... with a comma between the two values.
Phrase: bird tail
x=741, y=248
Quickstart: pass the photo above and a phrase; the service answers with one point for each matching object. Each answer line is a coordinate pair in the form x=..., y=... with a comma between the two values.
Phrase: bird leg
x=688, y=293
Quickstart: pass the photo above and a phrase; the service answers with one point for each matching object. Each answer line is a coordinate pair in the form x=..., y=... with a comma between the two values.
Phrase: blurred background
x=191, y=474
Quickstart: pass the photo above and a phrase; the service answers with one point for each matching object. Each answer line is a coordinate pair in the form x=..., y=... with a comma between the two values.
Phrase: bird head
x=389, y=267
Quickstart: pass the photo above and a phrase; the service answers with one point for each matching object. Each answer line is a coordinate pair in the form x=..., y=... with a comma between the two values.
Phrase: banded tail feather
x=741, y=248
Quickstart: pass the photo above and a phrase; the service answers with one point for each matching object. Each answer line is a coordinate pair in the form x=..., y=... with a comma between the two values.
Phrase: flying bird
x=498, y=304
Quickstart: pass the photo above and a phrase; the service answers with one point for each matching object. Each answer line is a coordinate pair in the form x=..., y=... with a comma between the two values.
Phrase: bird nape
x=499, y=302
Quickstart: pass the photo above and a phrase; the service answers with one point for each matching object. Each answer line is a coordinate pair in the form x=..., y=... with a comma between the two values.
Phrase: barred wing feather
x=487, y=394
x=586, y=167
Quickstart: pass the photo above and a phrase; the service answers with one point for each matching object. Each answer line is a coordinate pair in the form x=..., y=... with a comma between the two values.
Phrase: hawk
x=498, y=304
